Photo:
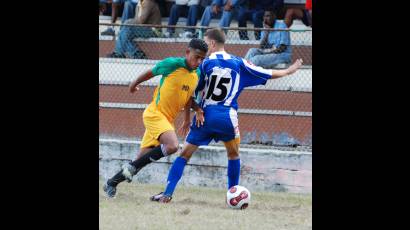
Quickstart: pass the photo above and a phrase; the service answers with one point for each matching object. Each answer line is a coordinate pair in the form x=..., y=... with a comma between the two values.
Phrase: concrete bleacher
x=159, y=48
x=301, y=39
x=233, y=35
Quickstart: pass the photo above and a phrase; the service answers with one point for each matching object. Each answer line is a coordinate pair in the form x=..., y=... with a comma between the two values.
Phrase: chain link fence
x=277, y=114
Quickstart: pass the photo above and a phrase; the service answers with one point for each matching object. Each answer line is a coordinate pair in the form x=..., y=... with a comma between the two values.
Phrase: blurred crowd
x=274, y=48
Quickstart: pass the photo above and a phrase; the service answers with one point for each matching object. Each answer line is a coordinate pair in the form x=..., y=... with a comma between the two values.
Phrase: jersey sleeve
x=252, y=75
x=165, y=67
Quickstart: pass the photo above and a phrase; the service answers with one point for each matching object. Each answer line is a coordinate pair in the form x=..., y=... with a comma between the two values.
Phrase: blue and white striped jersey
x=224, y=76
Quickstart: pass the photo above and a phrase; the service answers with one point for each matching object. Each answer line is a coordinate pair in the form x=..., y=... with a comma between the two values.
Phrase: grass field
x=201, y=208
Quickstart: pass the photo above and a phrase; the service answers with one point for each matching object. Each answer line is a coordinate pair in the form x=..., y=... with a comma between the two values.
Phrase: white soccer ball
x=238, y=197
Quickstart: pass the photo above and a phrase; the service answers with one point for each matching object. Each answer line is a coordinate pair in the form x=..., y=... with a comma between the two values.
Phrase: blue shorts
x=221, y=123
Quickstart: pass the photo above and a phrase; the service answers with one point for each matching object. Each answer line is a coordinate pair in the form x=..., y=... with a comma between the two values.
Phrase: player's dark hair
x=200, y=44
x=216, y=34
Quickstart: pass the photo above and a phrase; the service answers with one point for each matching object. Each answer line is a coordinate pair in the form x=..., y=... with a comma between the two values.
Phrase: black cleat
x=109, y=190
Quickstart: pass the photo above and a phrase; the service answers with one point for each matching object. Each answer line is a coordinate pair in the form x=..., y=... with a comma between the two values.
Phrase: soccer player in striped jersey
x=222, y=78
x=174, y=92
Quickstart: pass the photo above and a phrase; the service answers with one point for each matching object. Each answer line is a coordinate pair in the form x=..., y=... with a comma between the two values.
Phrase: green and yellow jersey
x=177, y=84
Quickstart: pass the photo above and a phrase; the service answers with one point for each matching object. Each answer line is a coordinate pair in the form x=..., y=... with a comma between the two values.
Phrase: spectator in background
x=254, y=10
x=225, y=9
x=165, y=7
x=147, y=12
x=274, y=46
x=127, y=13
x=168, y=6
x=304, y=14
x=103, y=7
x=185, y=8
x=204, y=4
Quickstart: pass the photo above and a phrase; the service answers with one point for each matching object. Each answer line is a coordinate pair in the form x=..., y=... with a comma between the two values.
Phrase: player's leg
x=110, y=187
x=119, y=177
x=178, y=166
x=197, y=136
x=175, y=173
x=234, y=163
x=228, y=133
x=168, y=146
x=143, y=151
x=159, y=133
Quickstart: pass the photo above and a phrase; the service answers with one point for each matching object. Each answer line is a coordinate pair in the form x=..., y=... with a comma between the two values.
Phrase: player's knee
x=171, y=148
x=233, y=155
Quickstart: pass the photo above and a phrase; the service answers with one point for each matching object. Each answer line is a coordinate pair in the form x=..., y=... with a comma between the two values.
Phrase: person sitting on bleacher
x=274, y=46
x=127, y=13
x=224, y=9
x=147, y=12
x=253, y=10
x=186, y=8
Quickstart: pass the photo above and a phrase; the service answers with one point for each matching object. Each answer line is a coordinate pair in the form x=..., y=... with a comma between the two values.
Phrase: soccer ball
x=238, y=197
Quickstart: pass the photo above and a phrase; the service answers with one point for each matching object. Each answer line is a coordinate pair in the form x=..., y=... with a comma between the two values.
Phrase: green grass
x=201, y=208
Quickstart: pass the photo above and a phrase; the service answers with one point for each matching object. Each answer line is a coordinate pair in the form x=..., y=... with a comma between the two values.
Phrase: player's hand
x=133, y=89
x=200, y=119
x=295, y=66
x=185, y=128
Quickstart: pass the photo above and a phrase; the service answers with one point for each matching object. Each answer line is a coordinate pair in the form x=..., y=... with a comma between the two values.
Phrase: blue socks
x=234, y=169
x=175, y=175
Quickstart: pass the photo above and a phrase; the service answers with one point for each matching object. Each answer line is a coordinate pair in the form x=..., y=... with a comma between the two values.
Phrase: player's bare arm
x=141, y=78
x=200, y=119
x=290, y=70
x=187, y=119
